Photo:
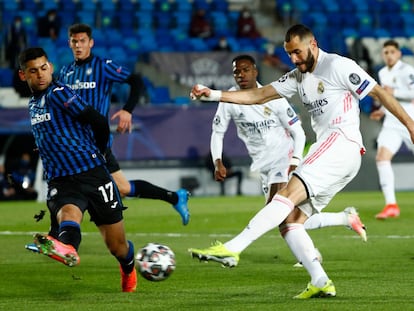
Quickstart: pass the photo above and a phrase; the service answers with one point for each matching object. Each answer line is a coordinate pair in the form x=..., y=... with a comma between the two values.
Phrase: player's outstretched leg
x=311, y=291
x=216, y=252
x=182, y=205
x=55, y=249
x=128, y=281
x=389, y=211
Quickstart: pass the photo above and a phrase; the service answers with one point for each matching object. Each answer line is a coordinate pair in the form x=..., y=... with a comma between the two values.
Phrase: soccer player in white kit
x=274, y=138
x=397, y=78
x=330, y=87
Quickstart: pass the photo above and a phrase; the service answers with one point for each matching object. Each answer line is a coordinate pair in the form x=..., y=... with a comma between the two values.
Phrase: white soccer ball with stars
x=155, y=262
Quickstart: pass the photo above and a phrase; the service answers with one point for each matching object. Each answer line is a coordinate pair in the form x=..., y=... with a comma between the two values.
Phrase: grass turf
x=377, y=275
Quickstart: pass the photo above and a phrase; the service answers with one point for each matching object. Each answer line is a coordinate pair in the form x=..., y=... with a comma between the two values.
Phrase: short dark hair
x=299, y=30
x=30, y=54
x=78, y=28
x=391, y=42
x=244, y=57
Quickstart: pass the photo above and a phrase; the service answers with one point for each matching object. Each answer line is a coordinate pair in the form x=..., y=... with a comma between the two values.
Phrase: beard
x=309, y=62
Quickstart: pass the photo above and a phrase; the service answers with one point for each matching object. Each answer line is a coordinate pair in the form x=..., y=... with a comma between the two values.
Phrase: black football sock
x=127, y=263
x=146, y=190
x=69, y=233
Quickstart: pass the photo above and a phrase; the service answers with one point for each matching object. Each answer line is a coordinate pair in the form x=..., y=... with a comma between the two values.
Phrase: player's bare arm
x=242, y=97
x=394, y=107
x=220, y=171
x=124, y=121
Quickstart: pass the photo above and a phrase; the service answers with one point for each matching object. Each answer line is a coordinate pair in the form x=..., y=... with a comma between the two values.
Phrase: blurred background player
x=71, y=137
x=92, y=77
x=397, y=78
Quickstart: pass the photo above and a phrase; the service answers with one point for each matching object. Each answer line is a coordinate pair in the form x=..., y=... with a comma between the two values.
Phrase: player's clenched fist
x=202, y=92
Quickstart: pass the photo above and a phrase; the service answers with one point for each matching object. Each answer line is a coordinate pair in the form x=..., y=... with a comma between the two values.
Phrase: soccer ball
x=155, y=262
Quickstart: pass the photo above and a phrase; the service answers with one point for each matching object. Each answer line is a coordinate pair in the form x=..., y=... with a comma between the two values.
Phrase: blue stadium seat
x=160, y=95
x=183, y=6
x=6, y=77
x=127, y=5
x=163, y=20
x=87, y=17
x=219, y=5
x=144, y=20
x=107, y=5
x=29, y=5
x=145, y=5
x=201, y=4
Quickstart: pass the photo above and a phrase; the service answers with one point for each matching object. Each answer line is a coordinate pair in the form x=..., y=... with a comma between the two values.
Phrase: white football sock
x=268, y=218
x=321, y=220
x=303, y=248
x=386, y=179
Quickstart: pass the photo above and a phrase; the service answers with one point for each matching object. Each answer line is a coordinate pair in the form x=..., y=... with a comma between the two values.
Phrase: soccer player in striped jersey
x=71, y=137
x=92, y=77
x=330, y=87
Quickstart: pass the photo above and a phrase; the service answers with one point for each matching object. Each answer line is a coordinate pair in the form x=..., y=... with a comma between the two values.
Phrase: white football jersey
x=331, y=93
x=401, y=78
x=266, y=130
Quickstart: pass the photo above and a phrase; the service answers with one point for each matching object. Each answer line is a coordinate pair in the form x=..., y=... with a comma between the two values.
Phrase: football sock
x=321, y=220
x=146, y=190
x=386, y=179
x=127, y=263
x=303, y=248
x=70, y=233
x=268, y=218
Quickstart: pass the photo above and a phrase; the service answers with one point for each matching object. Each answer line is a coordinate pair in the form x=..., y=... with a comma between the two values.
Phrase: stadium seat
x=107, y=5
x=184, y=6
x=145, y=5
x=6, y=77
x=29, y=5
x=160, y=95
x=87, y=17
x=144, y=19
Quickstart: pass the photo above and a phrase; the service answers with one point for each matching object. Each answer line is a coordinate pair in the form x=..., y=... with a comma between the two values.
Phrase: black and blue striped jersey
x=66, y=145
x=93, y=79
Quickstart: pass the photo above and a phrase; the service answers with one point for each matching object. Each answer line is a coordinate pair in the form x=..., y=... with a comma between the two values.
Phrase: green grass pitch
x=377, y=275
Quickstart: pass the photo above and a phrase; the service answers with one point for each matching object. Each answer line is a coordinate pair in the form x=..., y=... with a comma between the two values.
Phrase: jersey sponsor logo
x=362, y=87
x=39, y=118
x=315, y=108
x=83, y=85
x=354, y=78
x=258, y=127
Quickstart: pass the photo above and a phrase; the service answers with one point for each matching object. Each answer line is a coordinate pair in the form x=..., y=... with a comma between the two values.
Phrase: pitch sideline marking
x=195, y=235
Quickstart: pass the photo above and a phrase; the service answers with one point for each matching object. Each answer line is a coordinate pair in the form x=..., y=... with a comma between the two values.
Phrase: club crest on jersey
x=354, y=78
x=290, y=112
x=321, y=88
x=267, y=112
x=88, y=71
